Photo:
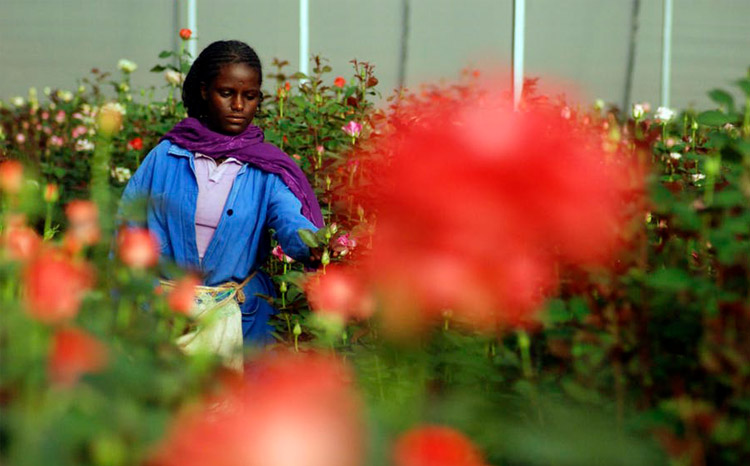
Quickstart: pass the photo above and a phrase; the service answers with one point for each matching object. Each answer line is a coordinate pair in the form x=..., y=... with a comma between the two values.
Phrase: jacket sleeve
x=285, y=217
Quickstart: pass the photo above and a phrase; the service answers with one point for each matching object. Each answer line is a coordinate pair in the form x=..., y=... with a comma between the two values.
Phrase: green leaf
x=166, y=53
x=745, y=86
x=687, y=218
x=556, y=312
x=669, y=279
x=714, y=118
x=723, y=99
x=158, y=69
x=308, y=237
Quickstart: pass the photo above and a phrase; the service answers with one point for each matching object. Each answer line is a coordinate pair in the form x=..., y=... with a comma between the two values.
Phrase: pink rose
x=352, y=129
x=343, y=244
x=278, y=253
x=79, y=131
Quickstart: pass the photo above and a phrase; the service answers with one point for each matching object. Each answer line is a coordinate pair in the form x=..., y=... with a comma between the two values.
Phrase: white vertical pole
x=192, y=24
x=304, y=36
x=519, y=26
x=666, y=53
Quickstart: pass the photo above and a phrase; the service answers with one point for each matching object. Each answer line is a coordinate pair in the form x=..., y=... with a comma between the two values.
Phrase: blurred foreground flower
x=83, y=216
x=73, y=354
x=11, y=176
x=20, y=242
x=110, y=117
x=478, y=206
x=338, y=291
x=435, y=446
x=290, y=410
x=181, y=298
x=54, y=286
x=138, y=248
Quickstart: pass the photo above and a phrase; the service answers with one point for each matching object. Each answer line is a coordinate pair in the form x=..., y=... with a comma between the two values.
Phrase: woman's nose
x=237, y=103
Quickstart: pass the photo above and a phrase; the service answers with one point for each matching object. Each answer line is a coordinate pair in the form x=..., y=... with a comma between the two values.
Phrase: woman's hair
x=206, y=67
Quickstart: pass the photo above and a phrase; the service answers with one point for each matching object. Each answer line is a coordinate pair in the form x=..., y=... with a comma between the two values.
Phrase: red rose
x=435, y=446
x=185, y=33
x=338, y=291
x=339, y=81
x=74, y=353
x=135, y=144
x=54, y=287
x=20, y=242
x=84, y=221
x=139, y=248
x=182, y=297
x=11, y=176
x=292, y=409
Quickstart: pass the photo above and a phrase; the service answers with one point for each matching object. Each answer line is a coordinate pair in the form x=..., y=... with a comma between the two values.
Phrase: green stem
x=48, y=222
x=524, y=345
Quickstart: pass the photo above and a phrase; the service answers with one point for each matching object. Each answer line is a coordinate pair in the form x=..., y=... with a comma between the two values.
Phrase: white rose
x=638, y=111
x=17, y=101
x=664, y=114
x=174, y=78
x=126, y=66
x=84, y=145
x=675, y=155
x=65, y=96
x=121, y=174
x=698, y=176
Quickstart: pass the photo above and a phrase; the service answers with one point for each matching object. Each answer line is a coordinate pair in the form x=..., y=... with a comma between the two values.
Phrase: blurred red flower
x=290, y=410
x=478, y=206
x=339, y=81
x=135, y=143
x=435, y=446
x=182, y=297
x=11, y=176
x=74, y=353
x=20, y=242
x=338, y=291
x=54, y=286
x=138, y=248
x=185, y=33
x=83, y=218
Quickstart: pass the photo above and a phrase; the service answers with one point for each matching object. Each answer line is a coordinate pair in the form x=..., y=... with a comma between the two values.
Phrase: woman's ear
x=204, y=91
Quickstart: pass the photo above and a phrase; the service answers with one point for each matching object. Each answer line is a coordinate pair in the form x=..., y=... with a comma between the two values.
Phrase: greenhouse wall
x=582, y=43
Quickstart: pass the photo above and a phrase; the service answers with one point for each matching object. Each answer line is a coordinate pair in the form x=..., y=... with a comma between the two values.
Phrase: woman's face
x=232, y=98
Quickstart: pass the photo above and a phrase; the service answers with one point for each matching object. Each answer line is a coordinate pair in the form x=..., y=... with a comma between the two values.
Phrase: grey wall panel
x=54, y=42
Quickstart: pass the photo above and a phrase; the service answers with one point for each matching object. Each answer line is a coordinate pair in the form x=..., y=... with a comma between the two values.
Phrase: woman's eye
x=224, y=93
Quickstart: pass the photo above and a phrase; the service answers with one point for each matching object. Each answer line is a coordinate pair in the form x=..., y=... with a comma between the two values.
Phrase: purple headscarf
x=249, y=147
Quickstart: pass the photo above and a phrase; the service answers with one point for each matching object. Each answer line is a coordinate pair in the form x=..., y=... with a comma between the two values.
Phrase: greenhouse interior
x=359, y=233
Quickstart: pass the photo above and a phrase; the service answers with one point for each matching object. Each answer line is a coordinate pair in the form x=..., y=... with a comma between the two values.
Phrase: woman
x=214, y=188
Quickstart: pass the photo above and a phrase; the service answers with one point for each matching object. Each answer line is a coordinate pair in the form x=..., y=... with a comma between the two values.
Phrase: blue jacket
x=257, y=202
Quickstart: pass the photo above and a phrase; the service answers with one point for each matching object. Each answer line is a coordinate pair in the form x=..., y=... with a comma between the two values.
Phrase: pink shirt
x=214, y=183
